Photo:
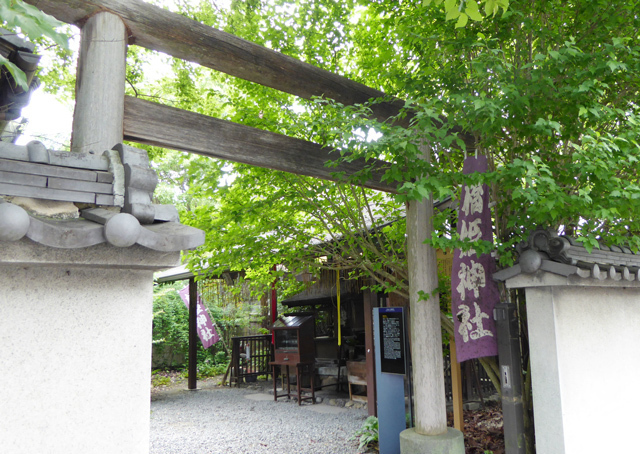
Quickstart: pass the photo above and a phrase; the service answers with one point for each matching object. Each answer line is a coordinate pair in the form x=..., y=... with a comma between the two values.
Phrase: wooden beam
x=167, y=127
x=161, y=30
x=158, y=29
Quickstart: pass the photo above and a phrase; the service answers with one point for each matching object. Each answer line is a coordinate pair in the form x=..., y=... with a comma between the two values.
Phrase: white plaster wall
x=75, y=355
x=598, y=333
x=584, y=348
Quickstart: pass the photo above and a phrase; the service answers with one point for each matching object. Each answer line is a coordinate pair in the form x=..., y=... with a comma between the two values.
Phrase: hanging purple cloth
x=474, y=293
x=206, y=329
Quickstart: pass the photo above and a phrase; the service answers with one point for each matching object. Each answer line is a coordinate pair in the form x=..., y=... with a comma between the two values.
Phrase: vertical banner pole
x=193, y=334
x=456, y=387
x=339, y=314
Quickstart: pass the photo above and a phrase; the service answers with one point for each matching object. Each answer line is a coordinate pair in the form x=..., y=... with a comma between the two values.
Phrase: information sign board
x=392, y=351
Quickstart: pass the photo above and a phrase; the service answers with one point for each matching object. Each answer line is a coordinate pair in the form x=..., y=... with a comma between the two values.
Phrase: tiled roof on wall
x=114, y=188
x=545, y=250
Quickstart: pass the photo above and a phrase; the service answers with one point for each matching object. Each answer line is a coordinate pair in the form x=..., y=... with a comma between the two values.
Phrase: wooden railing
x=250, y=357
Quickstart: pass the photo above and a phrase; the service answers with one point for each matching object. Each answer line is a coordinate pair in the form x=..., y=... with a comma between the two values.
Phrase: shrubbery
x=171, y=334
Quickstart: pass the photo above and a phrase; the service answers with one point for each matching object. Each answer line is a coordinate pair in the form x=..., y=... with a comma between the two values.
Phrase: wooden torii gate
x=103, y=111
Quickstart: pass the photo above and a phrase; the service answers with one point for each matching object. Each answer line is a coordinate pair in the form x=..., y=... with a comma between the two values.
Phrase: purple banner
x=474, y=293
x=206, y=329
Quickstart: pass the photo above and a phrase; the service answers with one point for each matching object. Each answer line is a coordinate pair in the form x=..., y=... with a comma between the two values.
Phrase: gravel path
x=223, y=420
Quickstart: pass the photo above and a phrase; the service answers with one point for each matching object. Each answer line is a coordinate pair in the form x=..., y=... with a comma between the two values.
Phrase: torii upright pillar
x=76, y=302
x=98, y=119
x=77, y=294
x=430, y=434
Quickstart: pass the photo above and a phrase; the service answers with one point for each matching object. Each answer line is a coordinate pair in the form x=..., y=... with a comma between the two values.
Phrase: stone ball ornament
x=122, y=230
x=14, y=222
x=530, y=261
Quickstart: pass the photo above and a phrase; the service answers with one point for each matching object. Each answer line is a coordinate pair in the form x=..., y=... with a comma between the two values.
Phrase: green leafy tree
x=33, y=24
x=170, y=324
x=548, y=97
x=547, y=90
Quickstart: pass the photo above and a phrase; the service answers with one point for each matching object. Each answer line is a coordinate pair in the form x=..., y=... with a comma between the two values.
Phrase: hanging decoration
x=474, y=293
x=206, y=329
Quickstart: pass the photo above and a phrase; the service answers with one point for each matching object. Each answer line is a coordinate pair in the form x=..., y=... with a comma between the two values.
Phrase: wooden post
x=456, y=388
x=426, y=335
x=99, y=112
x=506, y=317
x=193, y=334
x=274, y=305
x=370, y=300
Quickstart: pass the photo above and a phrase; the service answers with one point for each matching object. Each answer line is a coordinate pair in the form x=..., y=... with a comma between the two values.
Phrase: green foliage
x=550, y=105
x=31, y=21
x=221, y=357
x=34, y=24
x=171, y=332
x=170, y=321
x=469, y=9
x=545, y=107
x=231, y=305
x=549, y=98
x=230, y=309
x=209, y=368
x=367, y=435
x=160, y=380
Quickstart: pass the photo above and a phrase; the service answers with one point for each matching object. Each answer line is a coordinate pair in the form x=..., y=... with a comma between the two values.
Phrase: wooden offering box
x=294, y=339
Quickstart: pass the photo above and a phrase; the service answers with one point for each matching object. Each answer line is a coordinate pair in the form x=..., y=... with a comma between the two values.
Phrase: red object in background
x=274, y=305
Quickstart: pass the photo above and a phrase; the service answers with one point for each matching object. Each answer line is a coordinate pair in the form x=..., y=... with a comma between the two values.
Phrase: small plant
x=211, y=369
x=221, y=357
x=368, y=434
x=160, y=380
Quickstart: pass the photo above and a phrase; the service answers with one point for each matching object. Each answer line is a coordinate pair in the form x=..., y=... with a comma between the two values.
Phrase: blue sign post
x=389, y=341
